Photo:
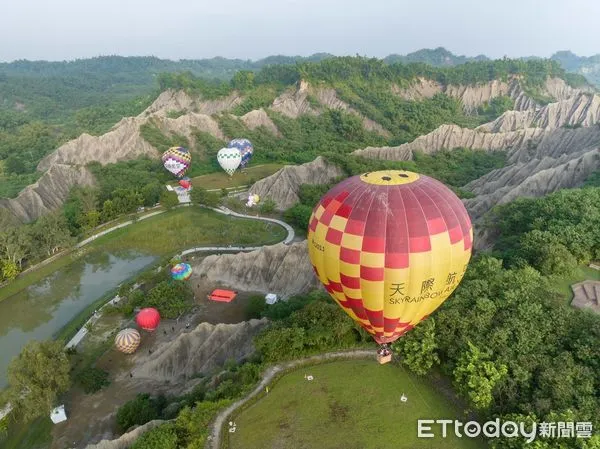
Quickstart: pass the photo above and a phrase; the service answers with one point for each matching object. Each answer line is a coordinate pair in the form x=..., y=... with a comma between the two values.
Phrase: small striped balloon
x=128, y=340
x=181, y=272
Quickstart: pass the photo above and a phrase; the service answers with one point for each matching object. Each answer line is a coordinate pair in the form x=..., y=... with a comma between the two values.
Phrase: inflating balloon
x=244, y=146
x=181, y=272
x=229, y=159
x=128, y=340
x=148, y=319
x=390, y=247
x=252, y=200
x=177, y=160
x=185, y=183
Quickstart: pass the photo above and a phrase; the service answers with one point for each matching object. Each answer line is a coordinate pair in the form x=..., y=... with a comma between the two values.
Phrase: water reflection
x=44, y=308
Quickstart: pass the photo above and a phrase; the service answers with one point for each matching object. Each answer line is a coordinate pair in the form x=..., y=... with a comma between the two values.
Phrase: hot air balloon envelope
x=229, y=159
x=244, y=146
x=390, y=247
x=185, y=184
x=128, y=340
x=177, y=160
x=181, y=272
x=148, y=318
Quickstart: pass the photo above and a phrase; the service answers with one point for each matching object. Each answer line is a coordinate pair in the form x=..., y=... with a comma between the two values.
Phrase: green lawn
x=583, y=273
x=221, y=179
x=35, y=435
x=350, y=405
x=186, y=227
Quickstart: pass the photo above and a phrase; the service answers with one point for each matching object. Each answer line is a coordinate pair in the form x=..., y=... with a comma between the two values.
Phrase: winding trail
x=214, y=440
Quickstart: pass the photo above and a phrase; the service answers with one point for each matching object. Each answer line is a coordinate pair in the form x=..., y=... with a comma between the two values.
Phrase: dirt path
x=214, y=439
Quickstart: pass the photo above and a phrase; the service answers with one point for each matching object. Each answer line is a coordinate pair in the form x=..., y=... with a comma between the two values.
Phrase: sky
x=253, y=29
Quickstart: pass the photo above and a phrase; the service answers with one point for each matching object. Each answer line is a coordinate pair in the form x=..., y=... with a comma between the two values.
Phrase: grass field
x=186, y=227
x=349, y=405
x=583, y=273
x=222, y=180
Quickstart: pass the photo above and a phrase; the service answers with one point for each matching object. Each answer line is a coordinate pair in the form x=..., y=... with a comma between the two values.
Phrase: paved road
x=217, y=427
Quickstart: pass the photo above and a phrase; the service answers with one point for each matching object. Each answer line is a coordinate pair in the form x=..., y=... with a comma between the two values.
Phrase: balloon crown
x=389, y=177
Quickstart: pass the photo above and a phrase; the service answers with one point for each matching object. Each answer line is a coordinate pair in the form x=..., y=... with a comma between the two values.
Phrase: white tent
x=271, y=298
x=169, y=188
x=58, y=414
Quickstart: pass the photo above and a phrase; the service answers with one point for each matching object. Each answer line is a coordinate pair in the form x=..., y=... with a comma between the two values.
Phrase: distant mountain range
x=223, y=68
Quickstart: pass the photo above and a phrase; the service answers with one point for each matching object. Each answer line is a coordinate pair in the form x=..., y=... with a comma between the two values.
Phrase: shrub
x=93, y=379
x=140, y=410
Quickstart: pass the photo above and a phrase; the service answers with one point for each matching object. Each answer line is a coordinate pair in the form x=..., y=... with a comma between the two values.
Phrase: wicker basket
x=382, y=359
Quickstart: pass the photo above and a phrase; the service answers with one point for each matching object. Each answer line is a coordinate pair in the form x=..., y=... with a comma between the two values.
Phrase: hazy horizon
x=185, y=29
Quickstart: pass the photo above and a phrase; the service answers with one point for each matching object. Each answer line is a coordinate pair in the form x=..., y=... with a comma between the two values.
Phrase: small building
x=58, y=415
x=222, y=295
x=271, y=298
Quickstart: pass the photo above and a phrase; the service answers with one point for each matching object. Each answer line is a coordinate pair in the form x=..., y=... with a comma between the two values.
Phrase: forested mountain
x=586, y=66
x=437, y=57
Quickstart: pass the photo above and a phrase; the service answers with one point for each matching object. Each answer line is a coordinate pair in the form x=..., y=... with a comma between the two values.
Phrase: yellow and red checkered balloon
x=390, y=247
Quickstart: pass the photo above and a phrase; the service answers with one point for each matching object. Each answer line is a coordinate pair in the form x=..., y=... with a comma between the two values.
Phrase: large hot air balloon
x=128, y=340
x=148, y=319
x=181, y=272
x=177, y=160
x=390, y=247
x=244, y=146
x=229, y=159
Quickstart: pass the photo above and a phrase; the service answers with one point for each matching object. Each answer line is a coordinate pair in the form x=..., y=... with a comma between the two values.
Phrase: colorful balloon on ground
x=229, y=159
x=252, y=200
x=181, y=272
x=177, y=160
x=148, y=319
x=185, y=182
x=244, y=146
x=390, y=247
x=128, y=340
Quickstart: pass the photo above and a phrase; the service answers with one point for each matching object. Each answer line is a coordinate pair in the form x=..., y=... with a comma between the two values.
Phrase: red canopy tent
x=222, y=295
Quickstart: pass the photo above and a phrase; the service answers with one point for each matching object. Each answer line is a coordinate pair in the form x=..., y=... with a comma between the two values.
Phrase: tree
x=50, y=234
x=193, y=425
x=298, y=215
x=8, y=270
x=243, y=80
x=140, y=410
x=418, y=348
x=151, y=193
x=36, y=377
x=108, y=211
x=543, y=251
x=267, y=206
x=169, y=199
x=170, y=298
x=476, y=377
x=15, y=243
x=14, y=165
x=198, y=195
x=255, y=307
x=126, y=201
x=161, y=437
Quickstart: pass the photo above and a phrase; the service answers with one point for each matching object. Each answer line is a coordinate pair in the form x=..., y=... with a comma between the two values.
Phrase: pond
x=44, y=308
